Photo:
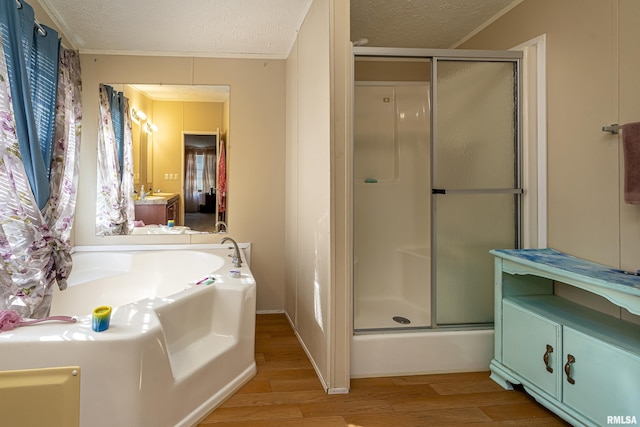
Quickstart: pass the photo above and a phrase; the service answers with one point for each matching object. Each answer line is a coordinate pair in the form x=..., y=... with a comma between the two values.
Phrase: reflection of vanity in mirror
x=179, y=142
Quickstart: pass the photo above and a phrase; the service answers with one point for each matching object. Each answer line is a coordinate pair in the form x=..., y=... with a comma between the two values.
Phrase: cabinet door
x=600, y=380
x=172, y=210
x=151, y=214
x=531, y=347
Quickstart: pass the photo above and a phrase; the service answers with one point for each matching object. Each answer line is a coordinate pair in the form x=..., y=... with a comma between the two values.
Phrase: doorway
x=200, y=171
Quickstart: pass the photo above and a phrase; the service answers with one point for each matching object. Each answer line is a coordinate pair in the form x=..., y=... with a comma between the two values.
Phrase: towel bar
x=614, y=129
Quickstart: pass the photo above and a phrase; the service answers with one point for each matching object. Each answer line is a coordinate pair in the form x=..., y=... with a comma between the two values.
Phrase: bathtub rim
x=245, y=246
x=121, y=329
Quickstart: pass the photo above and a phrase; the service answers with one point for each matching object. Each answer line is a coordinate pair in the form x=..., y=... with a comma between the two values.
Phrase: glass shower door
x=475, y=184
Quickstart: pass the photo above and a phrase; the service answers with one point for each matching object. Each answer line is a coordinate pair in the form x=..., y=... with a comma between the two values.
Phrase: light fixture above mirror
x=138, y=115
x=150, y=127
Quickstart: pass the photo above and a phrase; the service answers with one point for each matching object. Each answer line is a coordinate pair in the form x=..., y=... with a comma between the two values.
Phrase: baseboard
x=270, y=312
x=313, y=362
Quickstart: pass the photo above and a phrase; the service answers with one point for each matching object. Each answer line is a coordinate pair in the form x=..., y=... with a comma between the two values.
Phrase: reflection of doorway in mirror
x=200, y=180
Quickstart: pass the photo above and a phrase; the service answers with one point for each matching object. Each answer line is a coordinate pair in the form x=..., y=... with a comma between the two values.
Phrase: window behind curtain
x=199, y=170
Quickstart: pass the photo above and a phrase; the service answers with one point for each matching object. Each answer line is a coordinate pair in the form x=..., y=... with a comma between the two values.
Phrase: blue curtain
x=32, y=56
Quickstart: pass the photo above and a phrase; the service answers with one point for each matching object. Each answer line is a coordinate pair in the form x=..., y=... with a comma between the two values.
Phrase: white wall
x=291, y=189
x=308, y=250
x=317, y=211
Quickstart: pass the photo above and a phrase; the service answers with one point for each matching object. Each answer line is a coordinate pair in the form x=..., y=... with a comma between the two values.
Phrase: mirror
x=184, y=187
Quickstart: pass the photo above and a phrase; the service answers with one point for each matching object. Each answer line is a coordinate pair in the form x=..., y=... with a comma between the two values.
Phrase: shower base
x=379, y=313
x=417, y=352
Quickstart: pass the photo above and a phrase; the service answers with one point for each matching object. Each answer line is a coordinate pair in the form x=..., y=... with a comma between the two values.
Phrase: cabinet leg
x=499, y=376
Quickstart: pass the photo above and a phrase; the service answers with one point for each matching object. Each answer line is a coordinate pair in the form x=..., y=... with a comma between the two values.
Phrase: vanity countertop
x=157, y=199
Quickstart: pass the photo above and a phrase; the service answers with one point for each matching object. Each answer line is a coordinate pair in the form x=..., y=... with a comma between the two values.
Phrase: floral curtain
x=114, y=202
x=209, y=170
x=35, y=246
x=222, y=180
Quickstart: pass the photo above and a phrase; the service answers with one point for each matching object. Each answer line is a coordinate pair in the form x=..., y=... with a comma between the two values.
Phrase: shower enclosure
x=436, y=185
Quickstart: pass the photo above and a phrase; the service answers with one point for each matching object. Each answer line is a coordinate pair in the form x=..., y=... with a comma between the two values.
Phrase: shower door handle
x=478, y=191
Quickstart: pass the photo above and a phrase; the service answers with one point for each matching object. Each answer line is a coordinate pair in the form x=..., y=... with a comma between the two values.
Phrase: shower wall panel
x=391, y=192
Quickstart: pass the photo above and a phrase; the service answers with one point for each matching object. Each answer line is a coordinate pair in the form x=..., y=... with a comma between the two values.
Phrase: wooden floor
x=200, y=221
x=287, y=392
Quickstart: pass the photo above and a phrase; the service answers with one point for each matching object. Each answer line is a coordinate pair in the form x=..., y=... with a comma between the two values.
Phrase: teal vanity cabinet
x=580, y=363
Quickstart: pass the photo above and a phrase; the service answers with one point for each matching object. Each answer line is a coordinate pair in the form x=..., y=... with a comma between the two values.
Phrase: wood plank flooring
x=286, y=392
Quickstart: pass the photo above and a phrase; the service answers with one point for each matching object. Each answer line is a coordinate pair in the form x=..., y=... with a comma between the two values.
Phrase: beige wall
x=317, y=211
x=167, y=146
x=369, y=69
x=341, y=327
x=582, y=85
x=256, y=117
x=173, y=118
x=628, y=112
x=593, y=54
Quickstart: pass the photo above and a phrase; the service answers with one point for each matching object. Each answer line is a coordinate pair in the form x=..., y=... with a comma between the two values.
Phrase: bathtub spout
x=237, y=262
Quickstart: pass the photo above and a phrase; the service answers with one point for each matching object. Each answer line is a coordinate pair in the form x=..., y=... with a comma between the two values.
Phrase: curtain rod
x=41, y=30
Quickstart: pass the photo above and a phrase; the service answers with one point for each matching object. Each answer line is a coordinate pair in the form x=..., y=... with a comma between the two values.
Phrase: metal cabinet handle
x=546, y=358
x=567, y=368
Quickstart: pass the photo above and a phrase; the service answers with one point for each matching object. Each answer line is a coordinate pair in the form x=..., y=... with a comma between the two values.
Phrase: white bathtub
x=174, y=350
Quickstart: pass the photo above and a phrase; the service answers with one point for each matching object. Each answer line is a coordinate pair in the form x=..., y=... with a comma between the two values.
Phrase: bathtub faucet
x=237, y=262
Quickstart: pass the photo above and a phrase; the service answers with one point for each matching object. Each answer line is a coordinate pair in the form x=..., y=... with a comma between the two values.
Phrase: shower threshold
x=439, y=328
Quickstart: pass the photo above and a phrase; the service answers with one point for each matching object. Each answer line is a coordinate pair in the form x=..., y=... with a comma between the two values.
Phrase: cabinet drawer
x=531, y=347
x=606, y=379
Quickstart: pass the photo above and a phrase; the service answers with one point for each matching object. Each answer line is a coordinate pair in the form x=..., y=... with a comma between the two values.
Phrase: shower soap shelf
x=574, y=360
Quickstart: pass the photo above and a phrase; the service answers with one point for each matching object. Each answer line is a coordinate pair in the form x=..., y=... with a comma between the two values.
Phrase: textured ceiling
x=257, y=28
x=421, y=23
x=222, y=28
